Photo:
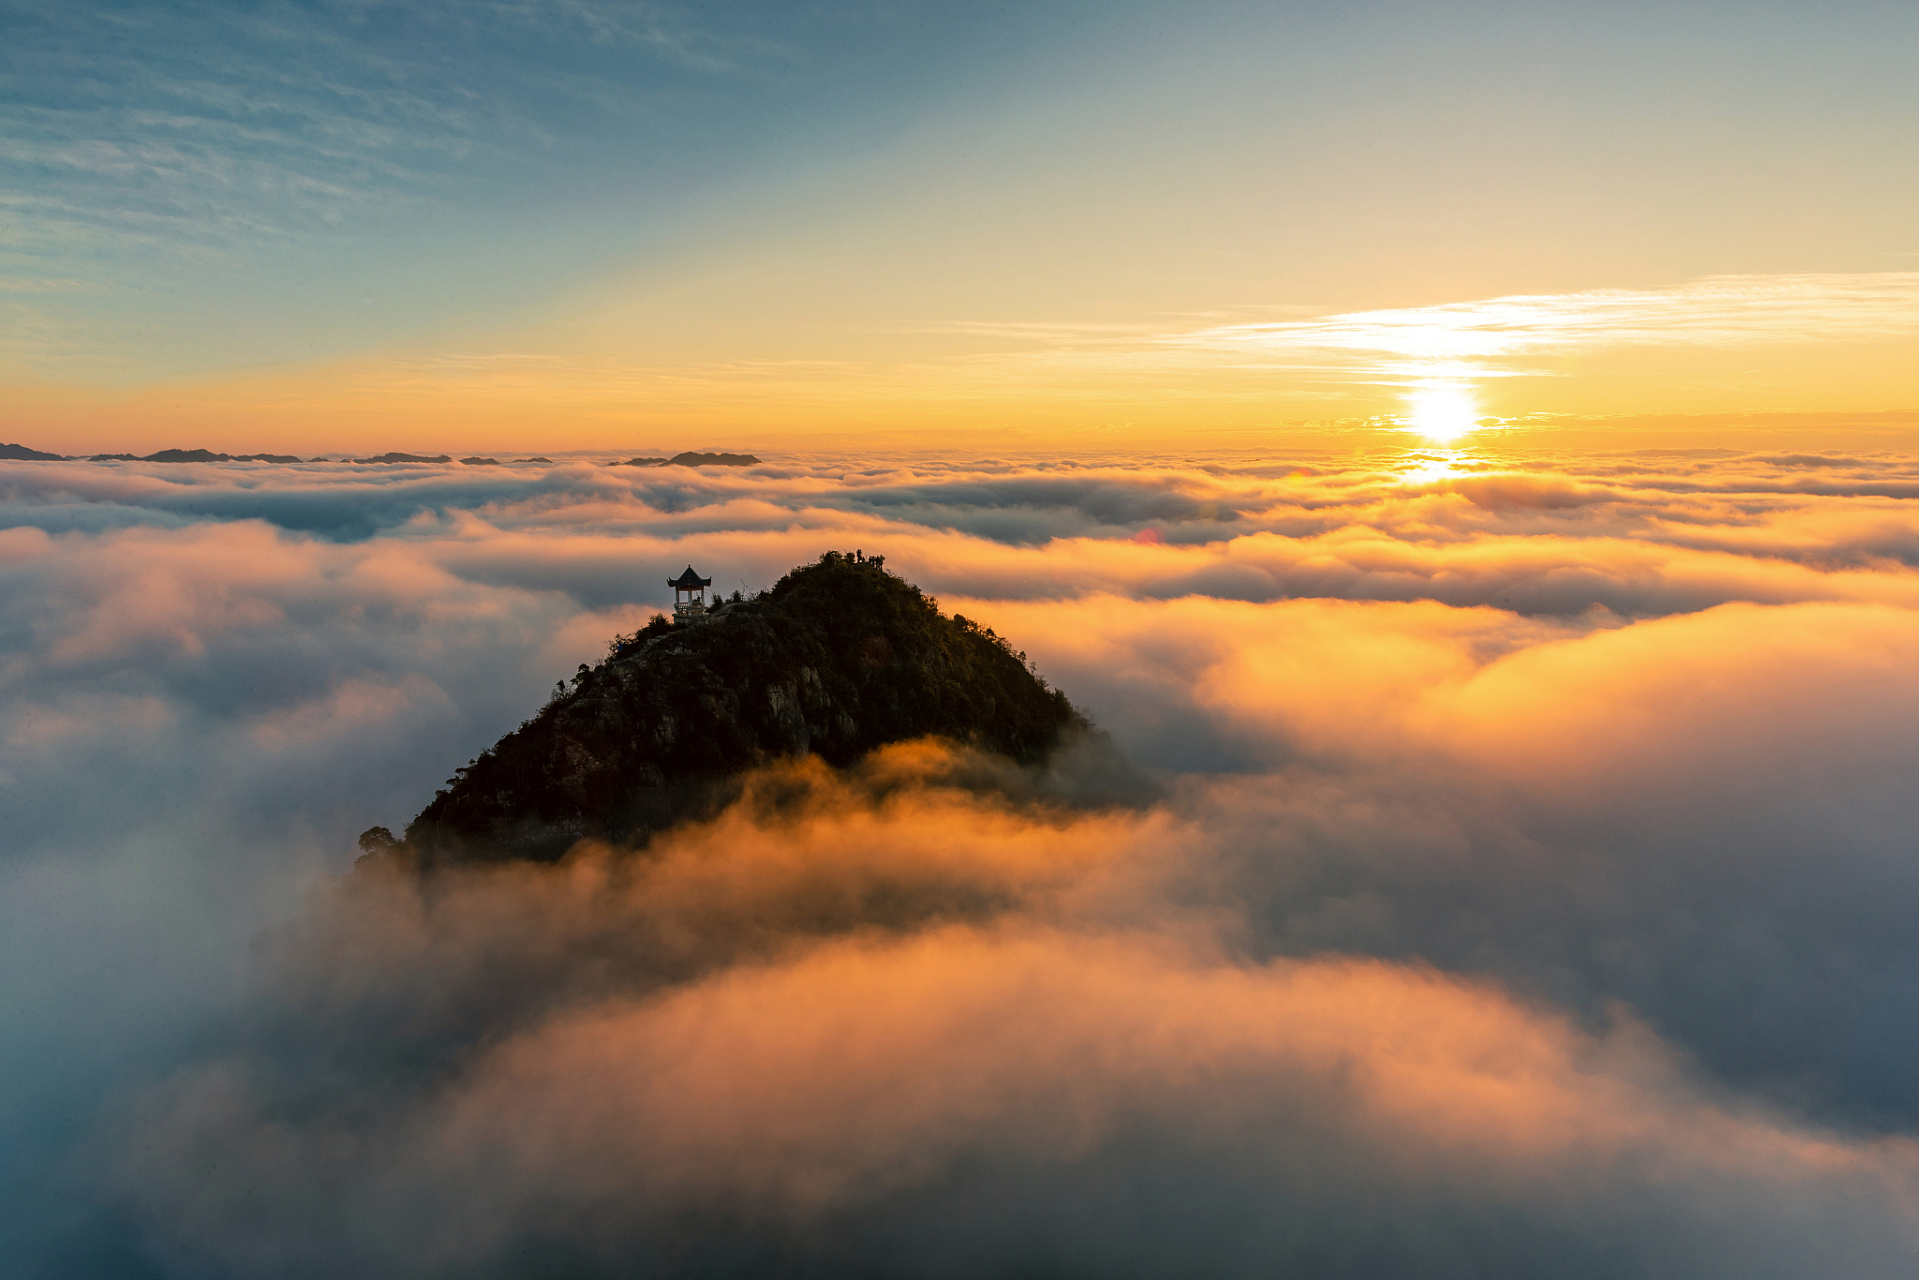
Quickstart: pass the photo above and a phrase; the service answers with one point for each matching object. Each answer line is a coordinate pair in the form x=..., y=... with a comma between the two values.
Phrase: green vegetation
x=837, y=658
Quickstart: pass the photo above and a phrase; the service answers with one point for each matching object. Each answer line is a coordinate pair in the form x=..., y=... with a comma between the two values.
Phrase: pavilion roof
x=689, y=580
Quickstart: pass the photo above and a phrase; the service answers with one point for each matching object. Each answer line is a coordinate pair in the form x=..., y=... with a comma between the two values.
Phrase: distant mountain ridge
x=193, y=455
x=692, y=459
x=838, y=658
x=22, y=453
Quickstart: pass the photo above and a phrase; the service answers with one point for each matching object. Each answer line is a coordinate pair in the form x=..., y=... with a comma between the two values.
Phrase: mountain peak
x=836, y=659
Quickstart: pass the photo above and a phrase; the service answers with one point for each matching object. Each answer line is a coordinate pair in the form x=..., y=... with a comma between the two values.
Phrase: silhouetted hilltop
x=838, y=658
x=20, y=453
x=192, y=455
x=712, y=460
x=691, y=459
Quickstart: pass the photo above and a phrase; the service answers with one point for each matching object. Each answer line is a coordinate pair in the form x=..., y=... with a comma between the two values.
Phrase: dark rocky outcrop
x=407, y=457
x=838, y=658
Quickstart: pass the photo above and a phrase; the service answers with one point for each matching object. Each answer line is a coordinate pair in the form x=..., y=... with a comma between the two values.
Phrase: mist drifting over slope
x=1530, y=891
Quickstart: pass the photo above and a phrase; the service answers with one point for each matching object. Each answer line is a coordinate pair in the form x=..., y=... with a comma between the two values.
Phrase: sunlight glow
x=1442, y=412
x=1431, y=467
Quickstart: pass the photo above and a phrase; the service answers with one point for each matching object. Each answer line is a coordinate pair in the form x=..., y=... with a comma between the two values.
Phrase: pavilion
x=689, y=596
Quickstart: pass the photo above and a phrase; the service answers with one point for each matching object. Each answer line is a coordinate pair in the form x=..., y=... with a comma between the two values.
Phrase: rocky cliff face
x=838, y=658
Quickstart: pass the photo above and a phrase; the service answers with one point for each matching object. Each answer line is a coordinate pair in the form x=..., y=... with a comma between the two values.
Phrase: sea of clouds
x=1528, y=887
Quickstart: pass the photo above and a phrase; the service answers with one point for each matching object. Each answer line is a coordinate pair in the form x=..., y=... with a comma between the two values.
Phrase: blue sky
x=894, y=205
x=335, y=172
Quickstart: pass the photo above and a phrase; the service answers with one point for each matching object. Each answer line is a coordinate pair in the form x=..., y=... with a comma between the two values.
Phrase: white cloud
x=1474, y=338
x=1535, y=855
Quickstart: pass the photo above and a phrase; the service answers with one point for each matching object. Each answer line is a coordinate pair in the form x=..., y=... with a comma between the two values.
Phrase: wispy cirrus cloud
x=1456, y=344
x=186, y=158
x=1488, y=337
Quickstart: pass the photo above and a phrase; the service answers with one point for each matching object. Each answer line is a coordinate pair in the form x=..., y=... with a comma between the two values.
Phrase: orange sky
x=1221, y=225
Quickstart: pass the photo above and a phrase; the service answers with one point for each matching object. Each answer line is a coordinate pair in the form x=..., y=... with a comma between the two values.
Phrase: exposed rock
x=838, y=658
x=407, y=457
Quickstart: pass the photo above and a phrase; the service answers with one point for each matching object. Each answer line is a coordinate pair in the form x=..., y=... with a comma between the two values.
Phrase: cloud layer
x=1529, y=893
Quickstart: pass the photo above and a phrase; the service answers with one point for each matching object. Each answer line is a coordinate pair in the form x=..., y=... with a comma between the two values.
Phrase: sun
x=1442, y=412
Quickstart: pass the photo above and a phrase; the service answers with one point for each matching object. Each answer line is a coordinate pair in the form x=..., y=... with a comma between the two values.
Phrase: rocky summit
x=836, y=659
